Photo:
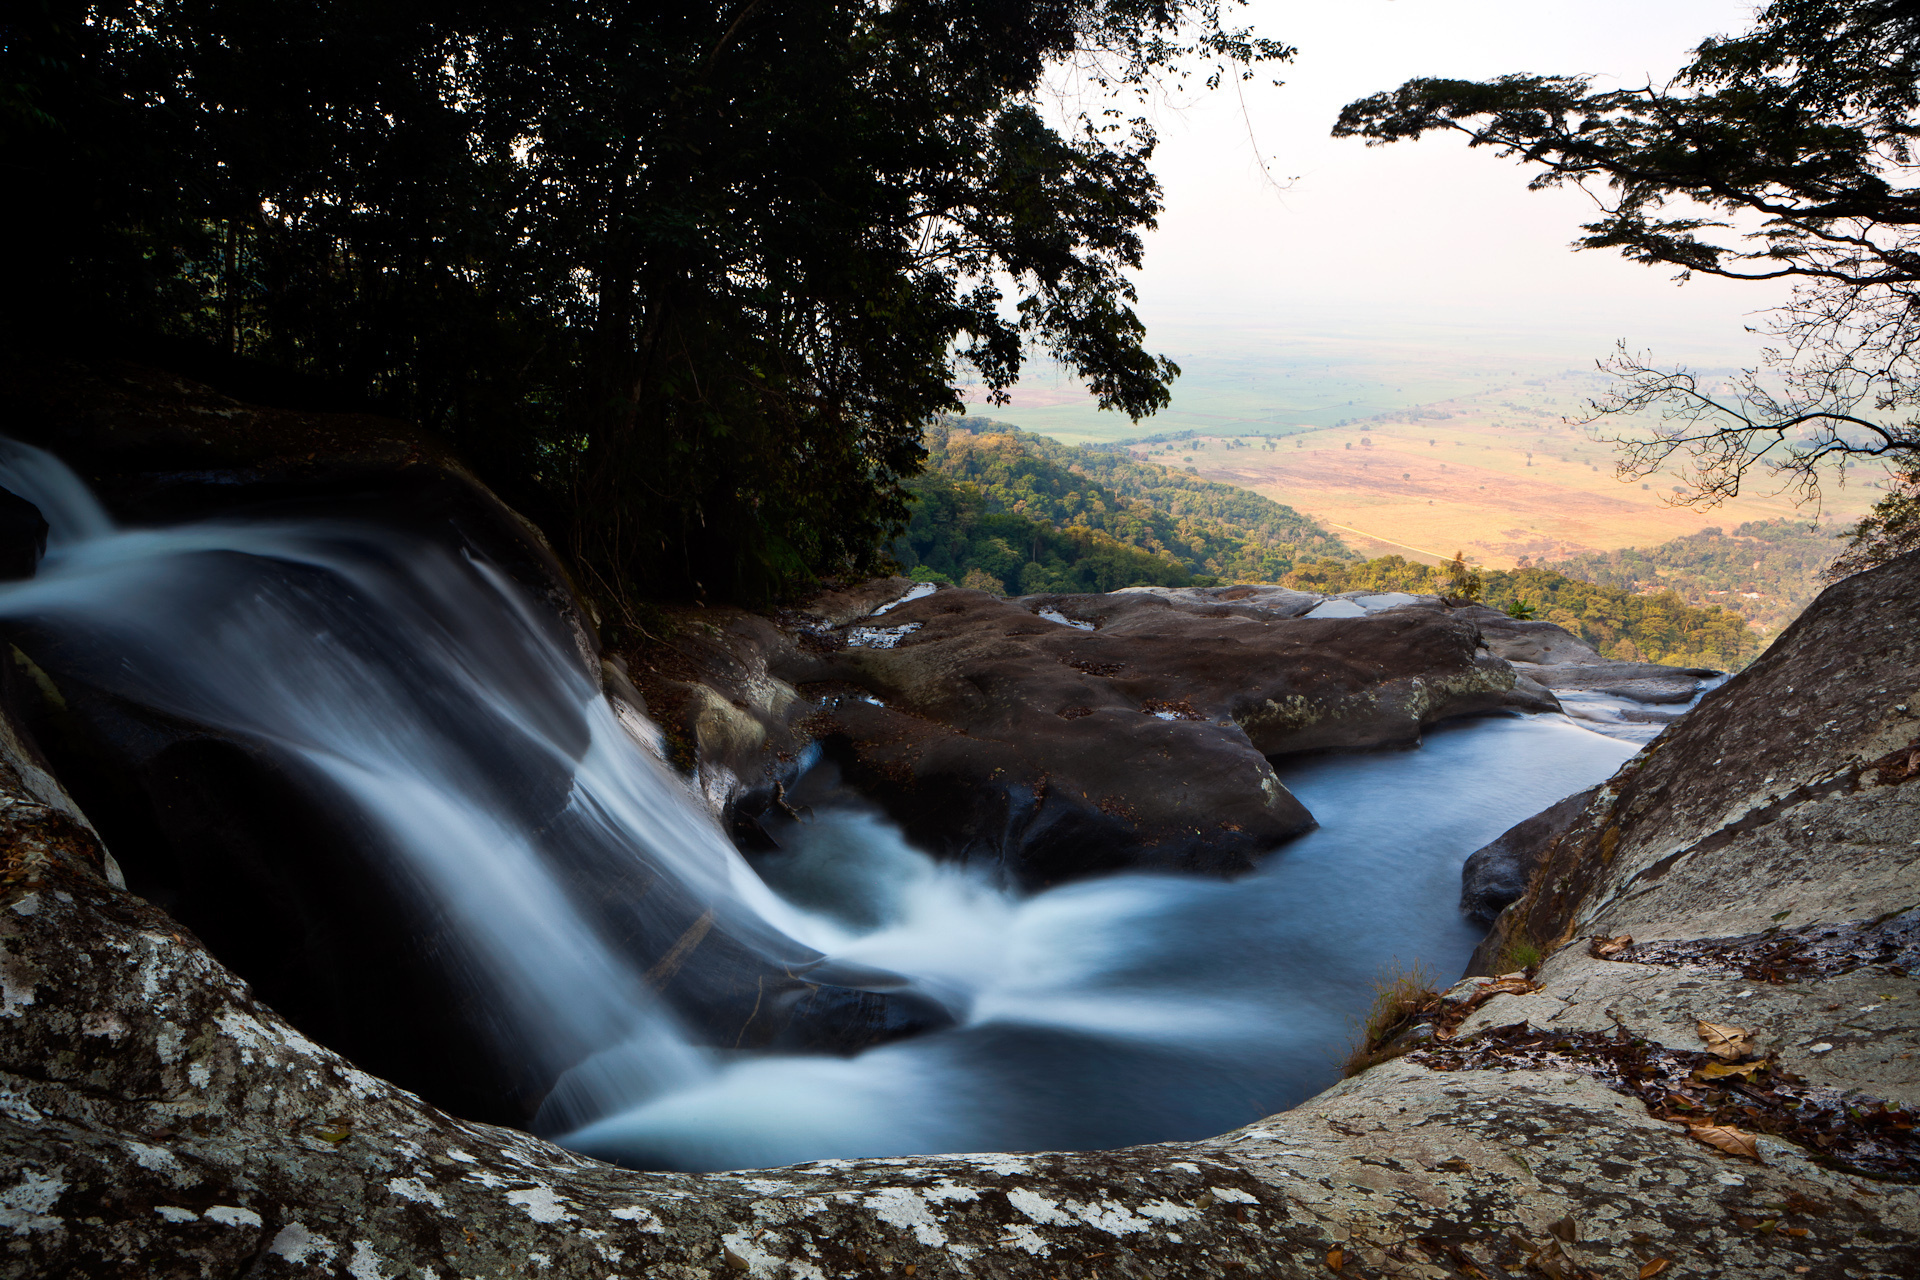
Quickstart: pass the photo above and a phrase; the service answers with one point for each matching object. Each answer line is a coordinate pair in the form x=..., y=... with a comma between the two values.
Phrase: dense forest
x=959, y=535
x=684, y=283
x=1620, y=623
x=1188, y=529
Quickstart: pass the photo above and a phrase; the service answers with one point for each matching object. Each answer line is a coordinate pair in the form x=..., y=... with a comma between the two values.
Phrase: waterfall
x=454, y=715
x=428, y=689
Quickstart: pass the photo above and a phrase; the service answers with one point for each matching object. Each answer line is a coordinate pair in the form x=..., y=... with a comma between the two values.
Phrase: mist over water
x=456, y=717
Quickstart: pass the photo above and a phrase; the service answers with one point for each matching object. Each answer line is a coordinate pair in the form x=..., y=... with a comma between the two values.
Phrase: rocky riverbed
x=1704, y=1068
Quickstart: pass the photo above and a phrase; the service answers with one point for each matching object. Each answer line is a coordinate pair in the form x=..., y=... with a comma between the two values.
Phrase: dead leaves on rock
x=1726, y=1042
x=1721, y=1070
x=1694, y=1089
x=1723, y=1137
x=1603, y=948
x=1654, y=1267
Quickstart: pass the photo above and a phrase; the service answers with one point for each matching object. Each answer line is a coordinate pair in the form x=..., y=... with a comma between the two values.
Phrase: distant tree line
x=684, y=281
x=1781, y=564
x=958, y=535
x=1619, y=623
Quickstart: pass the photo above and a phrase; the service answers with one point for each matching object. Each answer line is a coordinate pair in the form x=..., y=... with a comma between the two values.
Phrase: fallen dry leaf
x=1725, y=1042
x=1336, y=1259
x=1654, y=1268
x=1608, y=948
x=1720, y=1070
x=1550, y=1261
x=1735, y=1142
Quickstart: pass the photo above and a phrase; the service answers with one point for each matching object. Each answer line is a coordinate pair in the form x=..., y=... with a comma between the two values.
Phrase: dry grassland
x=1499, y=491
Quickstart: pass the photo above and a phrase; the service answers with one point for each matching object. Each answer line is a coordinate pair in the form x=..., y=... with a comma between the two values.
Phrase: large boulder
x=1060, y=736
x=1498, y=872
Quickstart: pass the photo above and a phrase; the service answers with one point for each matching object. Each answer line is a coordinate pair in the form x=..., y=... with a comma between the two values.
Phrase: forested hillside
x=1089, y=519
x=1620, y=623
x=1768, y=569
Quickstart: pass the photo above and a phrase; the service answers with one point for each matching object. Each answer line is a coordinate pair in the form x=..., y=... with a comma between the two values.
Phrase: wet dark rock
x=1497, y=873
x=1063, y=736
x=23, y=536
x=1555, y=658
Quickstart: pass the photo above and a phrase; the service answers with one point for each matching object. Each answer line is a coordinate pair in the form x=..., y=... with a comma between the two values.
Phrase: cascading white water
x=422, y=685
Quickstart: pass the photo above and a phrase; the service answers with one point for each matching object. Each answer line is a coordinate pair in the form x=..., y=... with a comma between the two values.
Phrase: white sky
x=1421, y=233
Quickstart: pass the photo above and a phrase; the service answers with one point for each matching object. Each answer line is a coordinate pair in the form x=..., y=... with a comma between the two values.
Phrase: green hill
x=1035, y=515
x=1768, y=569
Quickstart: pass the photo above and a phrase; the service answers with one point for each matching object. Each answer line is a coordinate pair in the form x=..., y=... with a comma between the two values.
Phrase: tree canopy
x=1784, y=152
x=686, y=281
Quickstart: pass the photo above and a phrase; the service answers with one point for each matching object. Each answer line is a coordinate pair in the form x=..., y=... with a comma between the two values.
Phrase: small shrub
x=981, y=580
x=1521, y=954
x=1464, y=584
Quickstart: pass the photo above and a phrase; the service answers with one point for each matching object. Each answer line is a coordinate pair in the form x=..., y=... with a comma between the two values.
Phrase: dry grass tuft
x=1400, y=999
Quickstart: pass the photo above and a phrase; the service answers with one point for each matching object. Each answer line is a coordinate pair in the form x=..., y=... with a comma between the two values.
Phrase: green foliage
x=1891, y=529
x=1768, y=569
x=1463, y=583
x=1521, y=955
x=685, y=281
x=1519, y=609
x=958, y=534
x=1660, y=627
x=1213, y=530
x=1621, y=624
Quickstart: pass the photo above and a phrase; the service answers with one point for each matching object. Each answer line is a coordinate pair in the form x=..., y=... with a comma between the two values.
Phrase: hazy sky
x=1426, y=233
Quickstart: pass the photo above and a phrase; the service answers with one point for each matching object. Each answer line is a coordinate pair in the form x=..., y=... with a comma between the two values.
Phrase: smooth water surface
x=1129, y=1009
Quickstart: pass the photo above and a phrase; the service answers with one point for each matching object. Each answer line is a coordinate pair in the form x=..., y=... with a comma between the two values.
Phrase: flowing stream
x=426, y=688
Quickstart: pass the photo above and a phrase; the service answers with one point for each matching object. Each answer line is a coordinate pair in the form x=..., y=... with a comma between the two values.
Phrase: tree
x=1463, y=583
x=686, y=280
x=1780, y=153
